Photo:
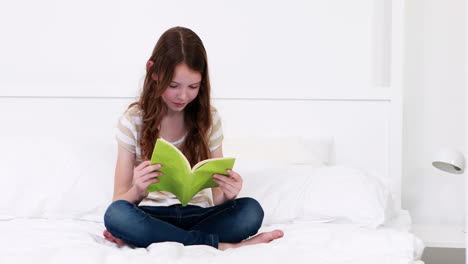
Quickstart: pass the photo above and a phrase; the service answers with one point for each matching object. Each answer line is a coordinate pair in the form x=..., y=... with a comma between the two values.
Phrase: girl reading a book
x=175, y=105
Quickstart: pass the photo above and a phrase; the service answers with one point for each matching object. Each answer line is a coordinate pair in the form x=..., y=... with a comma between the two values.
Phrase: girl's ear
x=150, y=64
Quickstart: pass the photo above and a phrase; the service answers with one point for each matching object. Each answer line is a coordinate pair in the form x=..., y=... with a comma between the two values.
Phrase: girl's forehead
x=184, y=74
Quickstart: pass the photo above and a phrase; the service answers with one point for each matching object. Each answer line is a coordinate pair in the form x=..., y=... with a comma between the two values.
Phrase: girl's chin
x=176, y=109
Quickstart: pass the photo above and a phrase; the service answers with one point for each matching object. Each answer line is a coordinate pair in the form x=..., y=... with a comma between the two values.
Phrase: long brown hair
x=176, y=45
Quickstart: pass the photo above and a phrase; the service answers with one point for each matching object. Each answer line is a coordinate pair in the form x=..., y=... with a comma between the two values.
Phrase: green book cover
x=181, y=180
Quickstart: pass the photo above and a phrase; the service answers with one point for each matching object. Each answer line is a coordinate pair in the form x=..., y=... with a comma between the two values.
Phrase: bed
x=335, y=201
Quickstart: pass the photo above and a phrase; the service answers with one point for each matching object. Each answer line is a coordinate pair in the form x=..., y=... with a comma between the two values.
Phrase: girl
x=175, y=105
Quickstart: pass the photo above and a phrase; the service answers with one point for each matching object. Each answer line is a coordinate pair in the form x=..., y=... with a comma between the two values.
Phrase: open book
x=181, y=180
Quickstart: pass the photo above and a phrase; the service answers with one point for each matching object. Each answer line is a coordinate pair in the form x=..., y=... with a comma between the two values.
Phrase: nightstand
x=444, y=244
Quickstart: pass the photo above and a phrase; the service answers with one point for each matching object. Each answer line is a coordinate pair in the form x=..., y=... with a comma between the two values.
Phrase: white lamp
x=450, y=160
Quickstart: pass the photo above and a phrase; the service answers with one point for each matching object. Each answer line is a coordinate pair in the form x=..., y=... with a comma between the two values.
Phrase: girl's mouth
x=179, y=104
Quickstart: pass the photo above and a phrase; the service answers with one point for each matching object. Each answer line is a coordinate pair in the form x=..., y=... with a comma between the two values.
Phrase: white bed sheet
x=73, y=241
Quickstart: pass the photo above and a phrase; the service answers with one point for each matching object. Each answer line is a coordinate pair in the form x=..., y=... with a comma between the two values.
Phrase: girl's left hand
x=230, y=185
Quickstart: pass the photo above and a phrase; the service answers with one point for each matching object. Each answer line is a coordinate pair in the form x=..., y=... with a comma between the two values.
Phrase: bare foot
x=265, y=237
x=109, y=237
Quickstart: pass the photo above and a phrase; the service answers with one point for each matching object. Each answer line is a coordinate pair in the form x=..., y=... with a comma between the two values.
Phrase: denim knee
x=252, y=215
x=116, y=213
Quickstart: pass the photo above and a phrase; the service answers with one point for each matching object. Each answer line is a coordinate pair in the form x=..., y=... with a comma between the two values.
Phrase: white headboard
x=362, y=129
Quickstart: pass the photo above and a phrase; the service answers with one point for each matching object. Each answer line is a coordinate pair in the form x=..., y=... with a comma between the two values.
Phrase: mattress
x=76, y=241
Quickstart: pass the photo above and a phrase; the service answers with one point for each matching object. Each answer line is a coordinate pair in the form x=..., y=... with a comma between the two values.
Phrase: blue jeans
x=140, y=226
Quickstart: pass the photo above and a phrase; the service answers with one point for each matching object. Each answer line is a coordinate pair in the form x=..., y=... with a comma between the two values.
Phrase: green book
x=181, y=180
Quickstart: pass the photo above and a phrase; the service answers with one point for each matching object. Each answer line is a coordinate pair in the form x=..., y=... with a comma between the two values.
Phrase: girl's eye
x=173, y=86
x=194, y=87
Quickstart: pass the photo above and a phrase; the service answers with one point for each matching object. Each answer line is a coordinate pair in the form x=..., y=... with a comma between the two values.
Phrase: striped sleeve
x=126, y=132
x=216, y=132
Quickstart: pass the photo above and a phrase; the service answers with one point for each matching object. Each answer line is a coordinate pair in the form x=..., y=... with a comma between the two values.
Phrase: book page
x=203, y=174
x=203, y=162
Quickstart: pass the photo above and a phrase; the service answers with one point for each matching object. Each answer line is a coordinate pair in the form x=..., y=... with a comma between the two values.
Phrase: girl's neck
x=173, y=114
x=172, y=120
x=172, y=127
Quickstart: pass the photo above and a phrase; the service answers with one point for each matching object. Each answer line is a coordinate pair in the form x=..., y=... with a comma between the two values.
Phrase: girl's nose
x=183, y=94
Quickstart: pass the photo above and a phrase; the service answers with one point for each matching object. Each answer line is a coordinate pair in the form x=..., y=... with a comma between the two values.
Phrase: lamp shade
x=450, y=160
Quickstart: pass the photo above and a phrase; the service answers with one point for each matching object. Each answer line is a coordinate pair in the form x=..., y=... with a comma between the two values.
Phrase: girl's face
x=183, y=88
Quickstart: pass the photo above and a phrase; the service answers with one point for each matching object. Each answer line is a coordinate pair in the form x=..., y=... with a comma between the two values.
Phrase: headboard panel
x=361, y=129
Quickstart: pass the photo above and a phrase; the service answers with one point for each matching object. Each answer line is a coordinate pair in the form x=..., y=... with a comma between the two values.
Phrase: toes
x=110, y=240
x=275, y=234
x=278, y=234
x=119, y=242
x=109, y=237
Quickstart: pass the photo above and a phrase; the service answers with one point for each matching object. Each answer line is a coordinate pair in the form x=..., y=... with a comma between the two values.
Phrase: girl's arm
x=229, y=187
x=123, y=177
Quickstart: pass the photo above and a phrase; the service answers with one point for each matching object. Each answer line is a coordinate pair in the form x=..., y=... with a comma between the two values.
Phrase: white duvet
x=74, y=241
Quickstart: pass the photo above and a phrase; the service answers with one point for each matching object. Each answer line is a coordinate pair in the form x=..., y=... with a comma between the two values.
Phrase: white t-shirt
x=128, y=134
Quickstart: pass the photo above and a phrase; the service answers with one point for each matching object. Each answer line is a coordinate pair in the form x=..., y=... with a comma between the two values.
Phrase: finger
x=228, y=189
x=151, y=176
x=234, y=175
x=142, y=165
x=225, y=179
x=144, y=178
x=148, y=178
x=231, y=175
x=231, y=185
x=220, y=176
x=149, y=182
x=150, y=168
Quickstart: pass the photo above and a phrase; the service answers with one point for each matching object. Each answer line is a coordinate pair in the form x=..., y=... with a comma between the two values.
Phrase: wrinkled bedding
x=76, y=241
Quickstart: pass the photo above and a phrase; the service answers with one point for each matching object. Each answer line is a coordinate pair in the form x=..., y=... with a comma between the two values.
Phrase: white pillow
x=267, y=183
x=346, y=194
x=314, y=151
x=303, y=192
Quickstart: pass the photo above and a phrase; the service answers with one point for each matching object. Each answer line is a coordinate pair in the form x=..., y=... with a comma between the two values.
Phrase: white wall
x=327, y=48
x=435, y=113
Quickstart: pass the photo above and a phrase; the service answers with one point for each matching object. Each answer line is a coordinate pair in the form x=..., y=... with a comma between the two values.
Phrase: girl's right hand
x=144, y=175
